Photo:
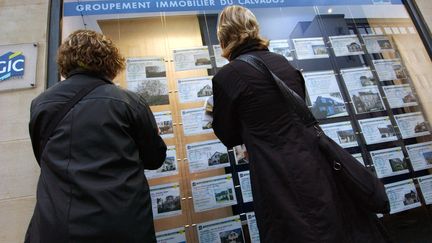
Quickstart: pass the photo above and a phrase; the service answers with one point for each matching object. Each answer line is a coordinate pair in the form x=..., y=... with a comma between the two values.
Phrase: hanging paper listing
x=389, y=162
x=324, y=95
x=213, y=192
x=177, y=235
x=165, y=200
x=221, y=230
x=192, y=58
x=342, y=133
x=194, y=89
x=168, y=168
x=194, y=122
x=402, y=195
x=310, y=48
x=377, y=130
x=346, y=45
x=412, y=125
x=207, y=155
x=420, y=155
x=281, y=47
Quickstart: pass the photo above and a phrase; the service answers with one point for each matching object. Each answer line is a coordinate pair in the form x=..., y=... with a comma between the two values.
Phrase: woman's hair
x=90, y=51
x=237, y=25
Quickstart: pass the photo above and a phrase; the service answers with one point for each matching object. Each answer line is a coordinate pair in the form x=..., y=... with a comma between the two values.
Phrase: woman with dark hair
x=295, y=197
x=92, y=186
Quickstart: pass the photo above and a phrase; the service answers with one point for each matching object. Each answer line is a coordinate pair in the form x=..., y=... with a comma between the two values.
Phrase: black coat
x=92, y=186
x=295, y=197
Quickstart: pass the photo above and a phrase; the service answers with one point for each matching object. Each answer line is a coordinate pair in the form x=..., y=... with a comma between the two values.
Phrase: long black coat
x=92, y=186
x=295, y=197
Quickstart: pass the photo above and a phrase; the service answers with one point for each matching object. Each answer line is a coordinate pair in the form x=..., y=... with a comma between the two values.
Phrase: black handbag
x=359, y=183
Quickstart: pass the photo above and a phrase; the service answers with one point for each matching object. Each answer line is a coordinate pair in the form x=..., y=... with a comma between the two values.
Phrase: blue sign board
x=11, y=65
x=79, y=8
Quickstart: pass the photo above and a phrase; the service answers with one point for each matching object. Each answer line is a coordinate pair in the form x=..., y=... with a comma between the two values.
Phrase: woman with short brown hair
x=92, y=186
x=295, y=197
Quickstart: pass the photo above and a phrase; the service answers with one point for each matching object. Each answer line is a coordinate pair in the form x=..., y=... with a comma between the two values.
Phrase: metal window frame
x=54, y=40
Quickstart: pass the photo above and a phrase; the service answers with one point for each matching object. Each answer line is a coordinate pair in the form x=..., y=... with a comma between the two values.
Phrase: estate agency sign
x=17, y=66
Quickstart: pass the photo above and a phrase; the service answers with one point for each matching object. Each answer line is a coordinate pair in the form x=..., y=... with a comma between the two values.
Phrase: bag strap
x=64, y=110
x=295, y=102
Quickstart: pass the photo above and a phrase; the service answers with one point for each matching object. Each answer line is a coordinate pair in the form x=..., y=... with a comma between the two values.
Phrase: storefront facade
x=365, y=63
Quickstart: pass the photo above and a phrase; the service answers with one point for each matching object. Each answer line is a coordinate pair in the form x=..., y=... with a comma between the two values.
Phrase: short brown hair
x=90, y=51
x=236, y=25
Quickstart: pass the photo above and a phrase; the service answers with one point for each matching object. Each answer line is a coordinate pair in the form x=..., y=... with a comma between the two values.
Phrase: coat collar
x=249, y=46
x=88, y=73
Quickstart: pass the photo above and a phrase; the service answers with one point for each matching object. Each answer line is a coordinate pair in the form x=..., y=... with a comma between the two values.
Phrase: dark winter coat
x=92, y=186
x=295, y=197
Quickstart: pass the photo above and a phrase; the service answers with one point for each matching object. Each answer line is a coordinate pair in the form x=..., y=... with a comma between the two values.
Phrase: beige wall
x=22, y=21
x=425, y=7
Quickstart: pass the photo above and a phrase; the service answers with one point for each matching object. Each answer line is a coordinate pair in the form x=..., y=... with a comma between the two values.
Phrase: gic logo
x=11, y=65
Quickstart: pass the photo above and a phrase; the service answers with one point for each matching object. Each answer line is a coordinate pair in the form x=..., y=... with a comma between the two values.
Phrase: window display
x=366, y=77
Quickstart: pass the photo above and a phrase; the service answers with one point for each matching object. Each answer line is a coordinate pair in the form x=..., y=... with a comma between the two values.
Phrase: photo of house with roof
x=354, y=47
x=154, y=91
x=165, y=127
x=205, y=91
x=224, y=195
x=428, y=157
x=367, y=101
x=218, y=158
x=346, y=136
x=410, y=198
x=168, y=165
x=398, y=164
x=168, y=204
x=421, y=127
x=409, y=98
x=387, y=131
x=324, y=107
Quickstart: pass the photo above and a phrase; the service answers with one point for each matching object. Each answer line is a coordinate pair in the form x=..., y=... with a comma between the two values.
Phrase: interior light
x=329, y=10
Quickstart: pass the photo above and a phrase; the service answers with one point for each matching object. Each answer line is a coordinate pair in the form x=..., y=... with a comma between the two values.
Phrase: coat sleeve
x=226, y=123
x=152, y=148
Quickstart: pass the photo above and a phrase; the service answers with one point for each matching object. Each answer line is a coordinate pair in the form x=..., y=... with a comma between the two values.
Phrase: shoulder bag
x=360, y=183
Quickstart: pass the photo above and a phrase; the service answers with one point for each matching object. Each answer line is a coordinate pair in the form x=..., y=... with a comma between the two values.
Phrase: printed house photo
x=367, y=81
x=346, y=136
x=168, y=165
x=385, y=44
x=421, y=127
x=354, y=47
x=231, y=236
x=155, y=72
x=398, y=69
x=218, y=158
x=206, y=122
x=168, y=204
x=324, y=107
x=284, y=51
x=155, y=92
x=387, y=131
x=166, y=127
x=409, y=98
x=398, y=164
x=205, y=91
x=428, y=157
x=202, y=59
x=224, y=195
x=410, y=198
x=367, y=101
x=319, y=49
